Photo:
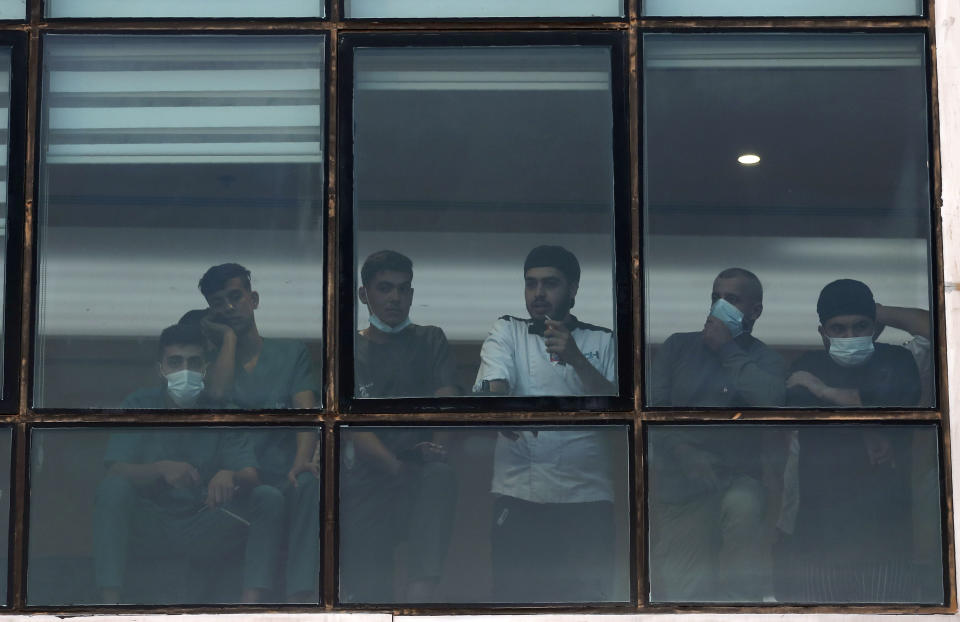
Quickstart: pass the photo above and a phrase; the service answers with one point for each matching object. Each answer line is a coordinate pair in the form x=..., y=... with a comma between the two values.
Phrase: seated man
x=706, y=501
x=397, y=486
x=182, y=366
x=846, y=537
x=852, y=370
x=394, y=357
x=256, y=373
x=552, y=532
x=191, y=493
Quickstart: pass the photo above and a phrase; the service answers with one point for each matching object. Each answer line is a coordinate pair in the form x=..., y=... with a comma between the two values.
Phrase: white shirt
x=510, y=352
x=552, y=466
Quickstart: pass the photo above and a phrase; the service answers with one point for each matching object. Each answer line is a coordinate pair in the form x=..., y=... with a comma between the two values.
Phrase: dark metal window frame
x=16, y=411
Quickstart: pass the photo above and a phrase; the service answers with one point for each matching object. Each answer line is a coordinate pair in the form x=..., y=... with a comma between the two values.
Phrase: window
x=473, y=307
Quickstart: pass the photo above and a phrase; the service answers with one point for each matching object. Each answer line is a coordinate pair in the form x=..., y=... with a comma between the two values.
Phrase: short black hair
x=382, y=261
x=215, y=279
x=846, y=297
x=180, y=335
x=193, y=316
x=753, y=283
x=554, y=257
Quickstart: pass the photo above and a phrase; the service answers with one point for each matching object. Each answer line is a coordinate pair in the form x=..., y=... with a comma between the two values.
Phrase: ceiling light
x=749, y=159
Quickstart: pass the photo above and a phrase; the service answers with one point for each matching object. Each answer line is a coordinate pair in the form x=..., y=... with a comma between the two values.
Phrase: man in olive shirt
x=191, y=493
x=256, y=373
x=397, y=485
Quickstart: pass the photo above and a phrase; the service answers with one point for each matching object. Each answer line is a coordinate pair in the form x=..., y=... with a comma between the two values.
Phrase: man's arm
x=220, y=373
x=444, y=366
x=560, y=341
x=372, y=448
x=497, y=365
x=914, y=321
x=757, y=376
x=821, y=391
x=302, y=382
x=303, y=460
x=173, y=473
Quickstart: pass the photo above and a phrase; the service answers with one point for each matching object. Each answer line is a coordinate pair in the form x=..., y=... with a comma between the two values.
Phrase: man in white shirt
x=552, y=538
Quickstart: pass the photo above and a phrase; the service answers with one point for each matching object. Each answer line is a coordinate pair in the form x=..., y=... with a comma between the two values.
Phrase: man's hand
x=808, y=381
x=216, y=331
x=431, y=452
x=559, y=341
x=715, y=333
x=177, y=474
x=221, y=488
x=697, y=464
x=300, y=466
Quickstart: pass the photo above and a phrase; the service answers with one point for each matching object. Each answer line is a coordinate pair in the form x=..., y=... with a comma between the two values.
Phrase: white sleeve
x=608, y=360
x=496, y=356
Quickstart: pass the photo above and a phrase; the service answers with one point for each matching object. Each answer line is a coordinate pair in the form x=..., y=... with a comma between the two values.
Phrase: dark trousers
x=552, y=552
x=416, y=507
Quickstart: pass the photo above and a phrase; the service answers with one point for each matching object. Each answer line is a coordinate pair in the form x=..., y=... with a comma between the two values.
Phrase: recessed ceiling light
x=749, y=159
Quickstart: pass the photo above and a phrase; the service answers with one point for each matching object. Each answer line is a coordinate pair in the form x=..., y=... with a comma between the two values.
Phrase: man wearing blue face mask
x=182, y=368
x=706, y=501
x=852, y=370
x=722, y=365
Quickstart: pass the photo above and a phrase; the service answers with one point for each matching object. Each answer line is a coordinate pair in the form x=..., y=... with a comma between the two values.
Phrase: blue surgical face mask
x=731, y=316
x=851, y=351
x=184, y=386
x=383, y=327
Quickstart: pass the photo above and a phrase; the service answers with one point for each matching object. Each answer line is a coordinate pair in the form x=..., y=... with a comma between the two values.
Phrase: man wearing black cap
x=852, y=370
x=845, y=536
x=552, y=352
x=552, y=533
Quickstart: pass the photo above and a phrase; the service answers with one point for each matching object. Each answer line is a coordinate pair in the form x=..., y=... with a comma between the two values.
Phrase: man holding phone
x=552, y=532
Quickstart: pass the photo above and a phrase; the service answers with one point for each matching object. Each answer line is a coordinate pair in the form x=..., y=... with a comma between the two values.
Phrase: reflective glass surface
x=486, y=174
x=781, y=8
x=824, y=514
x=483, y=8
x=162, y=157
x=185, y=8
x=13, y=9
x=5, y=58
x=174, y=515
x=787, y=221
x=484, y=515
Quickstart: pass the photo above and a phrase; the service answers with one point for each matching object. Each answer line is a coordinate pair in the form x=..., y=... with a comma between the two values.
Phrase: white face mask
x=851, y=351
x=731, y=316
x=184, y=386
x=383, y=327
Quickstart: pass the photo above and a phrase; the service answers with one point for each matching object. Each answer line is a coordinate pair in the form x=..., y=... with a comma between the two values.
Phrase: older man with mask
x=706, y=501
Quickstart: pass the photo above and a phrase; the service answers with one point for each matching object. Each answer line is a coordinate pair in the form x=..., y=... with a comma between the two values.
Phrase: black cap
x=846, y=297
x=554, y=257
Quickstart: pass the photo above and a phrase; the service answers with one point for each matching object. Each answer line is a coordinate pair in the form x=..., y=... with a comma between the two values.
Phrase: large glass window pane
x=787, y=221
x=162, y=157
x=185, y=8
x=484, y=515
x=823, y=514
x=174, y=515
x=483, y=8
x=781, y=8
x=486, y=174
x=13, y=9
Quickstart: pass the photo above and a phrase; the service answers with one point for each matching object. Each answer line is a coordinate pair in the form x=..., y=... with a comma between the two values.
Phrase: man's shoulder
x=427, y=332
x=892, y=353
x=282, y=348
x=578, y=325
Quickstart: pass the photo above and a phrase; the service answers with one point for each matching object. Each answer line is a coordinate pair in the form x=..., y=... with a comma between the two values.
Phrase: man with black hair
x=159, y=482
x=182, y=366
x=552, y=532
x=255, y=373
x=398, y=487
x=852, y=370
x=706, y=501
x=393, y=356
x=846, y=536
x=552, y=352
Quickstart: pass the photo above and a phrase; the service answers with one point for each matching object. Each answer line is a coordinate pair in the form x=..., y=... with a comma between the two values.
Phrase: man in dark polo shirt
x=395, y=483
